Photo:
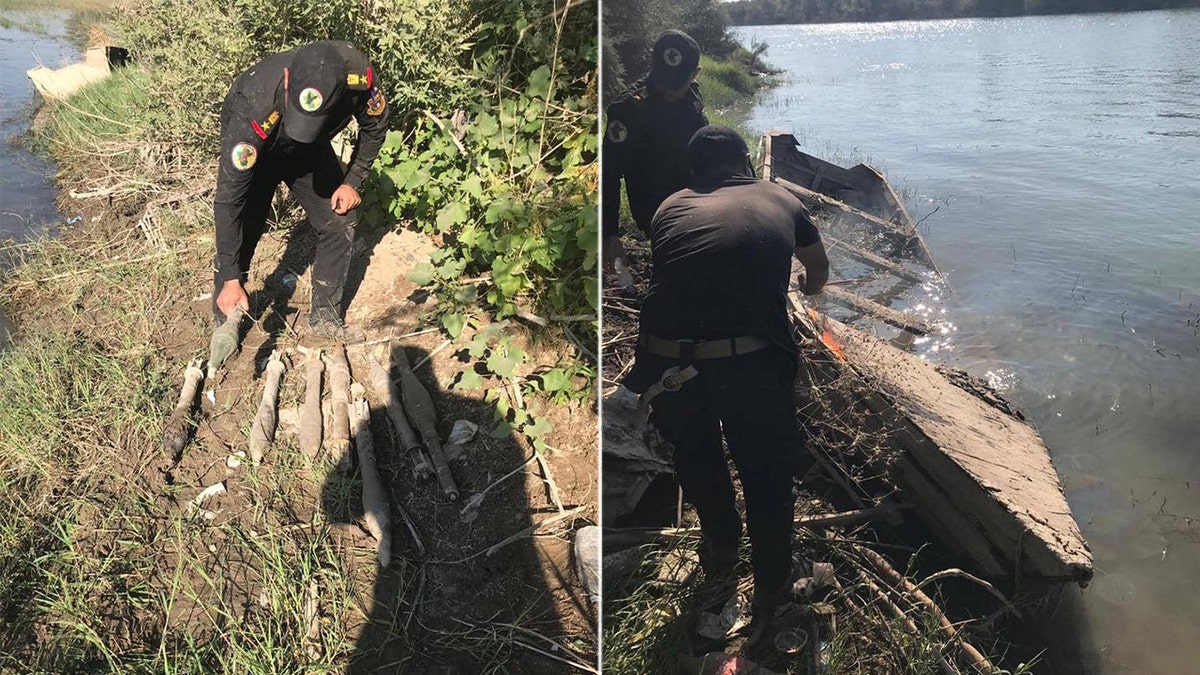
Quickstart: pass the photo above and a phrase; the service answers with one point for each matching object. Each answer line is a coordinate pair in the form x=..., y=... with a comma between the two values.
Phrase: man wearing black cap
x=645, y=140
x=716, y=354
x=276, y=124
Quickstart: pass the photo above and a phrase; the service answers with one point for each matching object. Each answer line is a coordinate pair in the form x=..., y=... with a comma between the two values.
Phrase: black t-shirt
x=722, y=262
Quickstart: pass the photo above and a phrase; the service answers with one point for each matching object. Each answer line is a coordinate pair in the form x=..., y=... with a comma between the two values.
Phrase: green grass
x=101, y=569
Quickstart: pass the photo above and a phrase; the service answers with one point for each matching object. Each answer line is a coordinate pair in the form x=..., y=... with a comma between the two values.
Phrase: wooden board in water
x=980, y=478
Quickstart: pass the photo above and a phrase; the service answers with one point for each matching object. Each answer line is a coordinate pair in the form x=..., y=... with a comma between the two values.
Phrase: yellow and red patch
x=263, y=130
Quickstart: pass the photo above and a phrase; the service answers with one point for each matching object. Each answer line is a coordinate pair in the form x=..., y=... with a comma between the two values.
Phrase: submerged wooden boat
x=978, y=475
x=59, y=84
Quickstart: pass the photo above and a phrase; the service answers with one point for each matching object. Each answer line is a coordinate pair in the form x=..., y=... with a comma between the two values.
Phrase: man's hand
x=613, y=249
x=232, y=294
x=344, y=200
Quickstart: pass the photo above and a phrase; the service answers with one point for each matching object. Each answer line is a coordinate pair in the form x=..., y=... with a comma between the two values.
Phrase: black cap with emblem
x=316, y=79
x=676, y=56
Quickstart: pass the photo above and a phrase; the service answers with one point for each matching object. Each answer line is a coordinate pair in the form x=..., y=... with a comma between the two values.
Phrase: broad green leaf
x=539, y=82
x=501, y=365
x=555, y=380
x=451, y=214
x=469, y=380
x=477, y=347
x=485, y=126
x=473, y=186
x=421, y=274
x=589, y=290
x=540, y=427
x=466, y=295
x=453, y=324
x=502, y=430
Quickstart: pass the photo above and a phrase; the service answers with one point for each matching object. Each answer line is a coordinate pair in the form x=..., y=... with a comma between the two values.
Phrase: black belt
x=708, y=349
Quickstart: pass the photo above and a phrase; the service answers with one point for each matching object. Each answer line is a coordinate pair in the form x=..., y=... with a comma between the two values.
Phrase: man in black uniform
x=715, y=323
x=646, y=138
x=276, y=124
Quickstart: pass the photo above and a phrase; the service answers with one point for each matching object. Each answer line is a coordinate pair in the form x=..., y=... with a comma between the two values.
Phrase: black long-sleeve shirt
x=645, y=142
x=251, y=141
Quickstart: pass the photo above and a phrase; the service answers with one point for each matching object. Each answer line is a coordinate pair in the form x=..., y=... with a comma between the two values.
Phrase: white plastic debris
x=733, y=618
x=197, y=504
x=460, y=435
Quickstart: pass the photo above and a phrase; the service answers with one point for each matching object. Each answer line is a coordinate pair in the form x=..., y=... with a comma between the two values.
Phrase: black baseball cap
x=715, y=145
x=316, y=80
x=676, y=56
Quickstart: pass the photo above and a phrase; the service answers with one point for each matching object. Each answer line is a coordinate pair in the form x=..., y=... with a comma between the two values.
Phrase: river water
x=1062, y=157
x=27, y=38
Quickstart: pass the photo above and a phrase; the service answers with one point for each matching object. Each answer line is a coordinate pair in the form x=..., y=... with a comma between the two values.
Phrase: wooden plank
x=874, y=260
x=993, y=468
x=885, y=314
x=824, y=201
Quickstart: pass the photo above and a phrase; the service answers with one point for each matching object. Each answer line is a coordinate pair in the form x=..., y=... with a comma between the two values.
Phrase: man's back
x=722, y=259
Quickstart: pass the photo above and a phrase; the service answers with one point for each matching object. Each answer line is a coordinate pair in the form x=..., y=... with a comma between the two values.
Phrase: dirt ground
x=443, y=601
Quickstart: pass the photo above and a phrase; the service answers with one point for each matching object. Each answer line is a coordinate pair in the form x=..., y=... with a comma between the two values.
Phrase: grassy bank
x=105, y=566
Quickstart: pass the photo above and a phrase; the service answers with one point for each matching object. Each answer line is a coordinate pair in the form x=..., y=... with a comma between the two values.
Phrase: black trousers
x=312, y=180
x=748, y=400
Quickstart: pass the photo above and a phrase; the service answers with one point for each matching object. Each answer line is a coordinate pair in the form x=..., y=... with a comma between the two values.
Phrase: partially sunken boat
x=59, y=84
x=978, y=476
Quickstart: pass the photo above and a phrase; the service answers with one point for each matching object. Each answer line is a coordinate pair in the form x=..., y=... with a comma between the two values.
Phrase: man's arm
x=240, y=156
x=372, y=118
x=810, y=251
x=612, y=170
x=816, y=267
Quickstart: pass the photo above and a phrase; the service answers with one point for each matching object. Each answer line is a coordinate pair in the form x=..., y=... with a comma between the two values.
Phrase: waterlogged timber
x=980, y=475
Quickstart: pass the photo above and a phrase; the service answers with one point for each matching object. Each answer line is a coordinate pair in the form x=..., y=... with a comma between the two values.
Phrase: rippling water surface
x=1057, y=163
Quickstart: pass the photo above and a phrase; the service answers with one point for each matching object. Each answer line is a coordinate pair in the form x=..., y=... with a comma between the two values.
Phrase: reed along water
x=1056, y=162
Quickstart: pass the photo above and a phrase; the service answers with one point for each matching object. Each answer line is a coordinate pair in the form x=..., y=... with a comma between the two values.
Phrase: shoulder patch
x=263, y=129
x=244, y=156
x=617, y=131
x=376, y=103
